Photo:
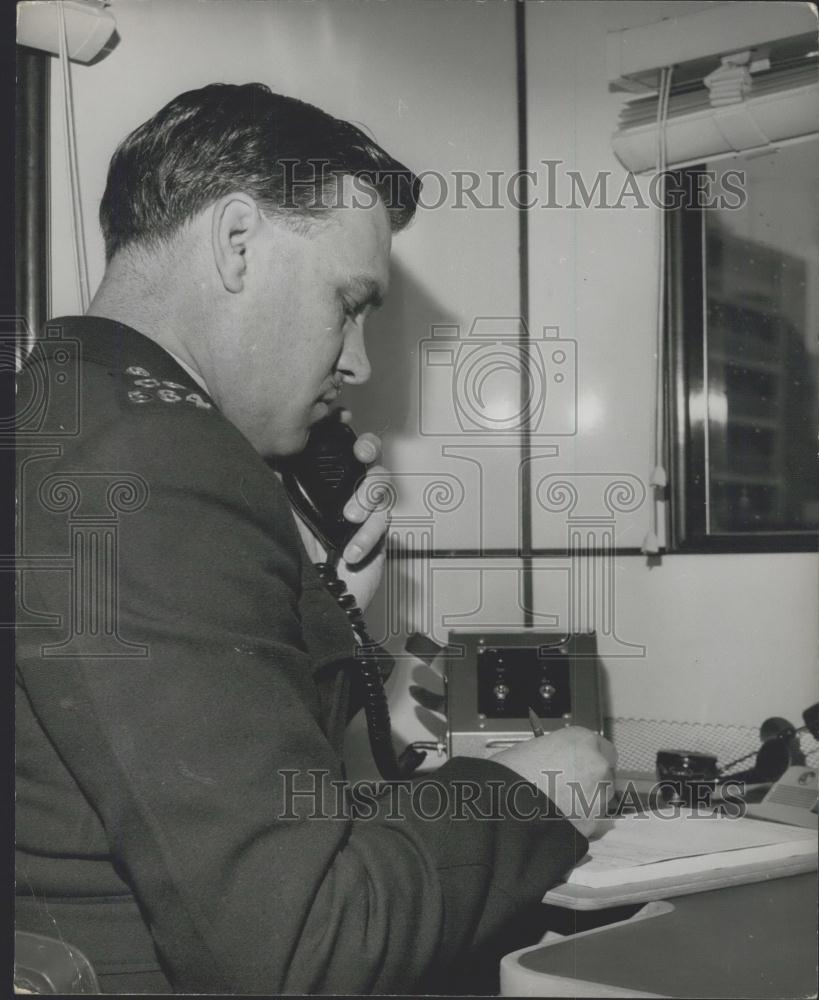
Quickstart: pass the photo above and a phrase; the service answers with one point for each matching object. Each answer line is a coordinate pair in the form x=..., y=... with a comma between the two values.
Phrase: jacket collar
x=115, y=345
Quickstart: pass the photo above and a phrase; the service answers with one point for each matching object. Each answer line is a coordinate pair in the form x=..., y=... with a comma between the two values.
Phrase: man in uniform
x=179, y=656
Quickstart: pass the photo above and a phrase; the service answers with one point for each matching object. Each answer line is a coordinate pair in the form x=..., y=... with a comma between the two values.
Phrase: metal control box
x=492, y=679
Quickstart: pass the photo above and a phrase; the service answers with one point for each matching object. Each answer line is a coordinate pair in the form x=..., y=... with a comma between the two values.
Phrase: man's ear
x=234, y=222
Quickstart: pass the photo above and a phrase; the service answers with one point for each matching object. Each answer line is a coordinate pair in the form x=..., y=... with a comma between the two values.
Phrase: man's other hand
x=573, y=767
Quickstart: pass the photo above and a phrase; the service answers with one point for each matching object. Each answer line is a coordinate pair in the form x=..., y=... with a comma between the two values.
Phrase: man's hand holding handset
x=361, y=565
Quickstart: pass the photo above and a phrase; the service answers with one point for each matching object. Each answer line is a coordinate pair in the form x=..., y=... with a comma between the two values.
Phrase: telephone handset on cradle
x=319, y=481
x=684, y=771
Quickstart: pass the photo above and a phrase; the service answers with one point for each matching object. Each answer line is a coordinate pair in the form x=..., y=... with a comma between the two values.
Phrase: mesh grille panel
x=638, y=740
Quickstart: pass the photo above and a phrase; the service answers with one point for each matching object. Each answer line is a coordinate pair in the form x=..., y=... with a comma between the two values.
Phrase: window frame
x=686, y=436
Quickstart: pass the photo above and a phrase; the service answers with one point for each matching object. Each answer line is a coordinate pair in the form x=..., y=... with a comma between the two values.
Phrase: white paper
x=641, y=848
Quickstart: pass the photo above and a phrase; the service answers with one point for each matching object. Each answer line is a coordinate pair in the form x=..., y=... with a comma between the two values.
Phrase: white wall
x=726, y=639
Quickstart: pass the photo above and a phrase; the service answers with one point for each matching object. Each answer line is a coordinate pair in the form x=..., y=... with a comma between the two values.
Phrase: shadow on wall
x=388, y=404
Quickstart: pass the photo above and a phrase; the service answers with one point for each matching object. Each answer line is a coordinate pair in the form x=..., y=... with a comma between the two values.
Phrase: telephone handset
x=322, y=478
x=319, y=481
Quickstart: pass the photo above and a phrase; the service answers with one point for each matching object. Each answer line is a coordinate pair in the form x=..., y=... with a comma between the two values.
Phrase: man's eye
x=351, y=309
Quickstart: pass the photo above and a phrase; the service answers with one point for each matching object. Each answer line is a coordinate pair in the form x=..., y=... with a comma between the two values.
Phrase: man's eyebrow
x=366, y=290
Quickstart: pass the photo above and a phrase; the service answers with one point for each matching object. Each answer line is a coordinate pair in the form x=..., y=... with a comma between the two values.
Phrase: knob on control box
x=513, y=679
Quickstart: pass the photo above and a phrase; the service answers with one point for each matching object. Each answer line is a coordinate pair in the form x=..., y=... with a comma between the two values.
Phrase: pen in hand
x=534, y=722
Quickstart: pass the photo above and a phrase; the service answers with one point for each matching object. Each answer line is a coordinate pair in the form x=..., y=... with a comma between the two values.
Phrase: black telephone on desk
x=319, y=481
x=778, y=772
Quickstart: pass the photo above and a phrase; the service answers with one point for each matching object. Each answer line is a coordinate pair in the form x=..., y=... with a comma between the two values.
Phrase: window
x=742, y=348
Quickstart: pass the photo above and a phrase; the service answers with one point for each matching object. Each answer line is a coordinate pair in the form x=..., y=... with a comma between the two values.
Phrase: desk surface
x=754, y=941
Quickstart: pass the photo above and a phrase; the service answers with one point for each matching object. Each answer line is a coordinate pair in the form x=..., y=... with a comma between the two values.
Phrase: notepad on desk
x=653, y=856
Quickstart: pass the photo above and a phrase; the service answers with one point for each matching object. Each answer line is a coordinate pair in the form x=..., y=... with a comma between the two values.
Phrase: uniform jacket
x=178, y=663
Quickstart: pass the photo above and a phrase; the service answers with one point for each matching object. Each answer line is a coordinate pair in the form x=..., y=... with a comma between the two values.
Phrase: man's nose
x=353, y=362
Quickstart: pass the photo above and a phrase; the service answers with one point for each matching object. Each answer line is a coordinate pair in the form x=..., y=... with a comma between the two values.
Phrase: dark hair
x=206, y=143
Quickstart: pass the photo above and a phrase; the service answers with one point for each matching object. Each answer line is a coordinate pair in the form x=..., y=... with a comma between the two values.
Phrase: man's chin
x=294, y=445
x=287, y=446
x=295, y=439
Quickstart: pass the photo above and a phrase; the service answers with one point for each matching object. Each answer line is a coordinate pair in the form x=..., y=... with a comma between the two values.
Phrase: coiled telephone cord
x=391, y=766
